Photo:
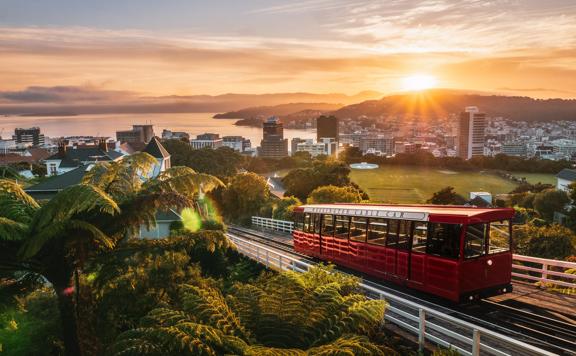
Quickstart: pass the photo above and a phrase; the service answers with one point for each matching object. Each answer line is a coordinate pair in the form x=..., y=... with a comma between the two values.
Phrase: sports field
x=415, y=184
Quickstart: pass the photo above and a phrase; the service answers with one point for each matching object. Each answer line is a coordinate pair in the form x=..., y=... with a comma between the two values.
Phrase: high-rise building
x=379, y=143
x=472, y=124
x=139, y=133
x=294, y=144
x=273, y=144
x=237, y=143
x=327, y=127
x=210, y=140
x=28, y=137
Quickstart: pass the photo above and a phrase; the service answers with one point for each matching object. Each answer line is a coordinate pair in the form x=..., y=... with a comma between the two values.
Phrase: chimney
x=62, y=146
x=103, y=145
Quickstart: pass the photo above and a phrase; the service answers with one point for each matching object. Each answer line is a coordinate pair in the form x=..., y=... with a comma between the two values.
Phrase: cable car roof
x=412, y=212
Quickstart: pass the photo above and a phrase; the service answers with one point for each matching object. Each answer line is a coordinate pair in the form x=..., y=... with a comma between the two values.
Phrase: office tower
x=273, y=144
x=472, y=124
x=139, y=133
x=28, y=137
x=327, y=127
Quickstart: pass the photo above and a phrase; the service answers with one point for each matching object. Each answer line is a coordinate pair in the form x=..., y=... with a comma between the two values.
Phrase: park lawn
x=394, y=184
x=534, y=178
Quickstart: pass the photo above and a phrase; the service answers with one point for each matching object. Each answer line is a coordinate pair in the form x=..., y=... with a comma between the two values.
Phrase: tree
x=56, y=239
x=245, y=194
x=332, y=194
x=301, y=182
x=548, y=202
x=283, y=209
x=551, y=241
x=446, y=196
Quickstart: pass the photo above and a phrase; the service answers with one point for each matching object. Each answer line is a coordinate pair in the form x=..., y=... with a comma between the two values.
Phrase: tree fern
x=209, y=306
x=15, y=203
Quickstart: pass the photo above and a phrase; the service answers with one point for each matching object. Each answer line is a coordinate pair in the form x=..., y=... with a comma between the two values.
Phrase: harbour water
x=108, y=124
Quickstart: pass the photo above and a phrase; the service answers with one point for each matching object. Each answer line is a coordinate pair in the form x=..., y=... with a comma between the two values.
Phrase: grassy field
x=415, y=185
x=537, y=177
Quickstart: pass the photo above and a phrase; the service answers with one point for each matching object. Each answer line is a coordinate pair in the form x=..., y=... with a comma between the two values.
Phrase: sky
x=188, y=47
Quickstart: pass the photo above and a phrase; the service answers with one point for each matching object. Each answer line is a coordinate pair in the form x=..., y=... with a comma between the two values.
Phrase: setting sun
x=418, y=82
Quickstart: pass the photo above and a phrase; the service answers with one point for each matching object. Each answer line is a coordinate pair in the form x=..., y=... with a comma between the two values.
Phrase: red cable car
x=456, y=252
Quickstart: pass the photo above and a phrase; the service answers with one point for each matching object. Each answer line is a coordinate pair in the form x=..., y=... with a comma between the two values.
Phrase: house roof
x=38, y=154
x=156, y=149
x=12, y=158
x=567, y=174
x=51, y=186
x=85, y=154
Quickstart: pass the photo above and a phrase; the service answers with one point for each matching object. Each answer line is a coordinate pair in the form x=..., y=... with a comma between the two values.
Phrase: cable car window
x=358, y=229
x=392, y=240
x=443, y=240
x=475, y=242
x=499, y=240
x=316, y=225
x=299, y=221
x=342, y=226
x=307, y=222
x=404, y=232
x=327, y=225
x=419, y=237
x=377, y=231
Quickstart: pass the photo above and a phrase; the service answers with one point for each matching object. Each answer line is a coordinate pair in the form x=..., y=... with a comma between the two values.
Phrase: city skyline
x=516, y=47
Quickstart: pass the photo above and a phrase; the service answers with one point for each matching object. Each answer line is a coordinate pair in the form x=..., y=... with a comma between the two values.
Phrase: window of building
x=443, y=240
x=377, y=231
x=327, y=225
x=342, y=224
x=499, y=240
x=475, y=241
x=419, y=237
x=53, y=169
x=358, y=229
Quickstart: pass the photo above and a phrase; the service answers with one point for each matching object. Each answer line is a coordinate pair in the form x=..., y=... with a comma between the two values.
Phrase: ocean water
x=108, y=124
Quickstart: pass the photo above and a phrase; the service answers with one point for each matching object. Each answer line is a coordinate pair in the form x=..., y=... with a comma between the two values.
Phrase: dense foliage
x=331, y=194
x=499, y=162
x=244, y=196
x=301, y=182
x=446, y=196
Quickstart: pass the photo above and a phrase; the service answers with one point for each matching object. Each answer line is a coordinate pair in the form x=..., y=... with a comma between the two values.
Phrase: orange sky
x=521, y=47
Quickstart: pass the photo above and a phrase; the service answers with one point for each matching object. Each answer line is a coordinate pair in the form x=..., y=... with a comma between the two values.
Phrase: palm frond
x=15, y=203
x=184, y=180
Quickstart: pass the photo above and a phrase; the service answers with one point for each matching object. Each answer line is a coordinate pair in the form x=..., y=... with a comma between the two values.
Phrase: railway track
x=547, y=333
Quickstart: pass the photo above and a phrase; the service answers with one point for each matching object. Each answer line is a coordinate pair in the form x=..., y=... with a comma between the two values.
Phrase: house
x=47, y=189
x=565, y=178
x=69, y=158
x=156, y=150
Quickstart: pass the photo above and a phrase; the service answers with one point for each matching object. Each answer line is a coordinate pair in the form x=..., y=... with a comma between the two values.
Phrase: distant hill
x=119, y=104
x=278, y=110
x=442, y=102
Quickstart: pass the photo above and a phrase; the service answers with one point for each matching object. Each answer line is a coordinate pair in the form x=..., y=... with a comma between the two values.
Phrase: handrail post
x=476, y=343
x=544, y=270
x=422, y=330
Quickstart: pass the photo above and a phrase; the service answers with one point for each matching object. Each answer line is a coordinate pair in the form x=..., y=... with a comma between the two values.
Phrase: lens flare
x=191, y=219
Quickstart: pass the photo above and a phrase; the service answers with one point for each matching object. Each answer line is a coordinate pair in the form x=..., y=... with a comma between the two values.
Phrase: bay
x=108, y=124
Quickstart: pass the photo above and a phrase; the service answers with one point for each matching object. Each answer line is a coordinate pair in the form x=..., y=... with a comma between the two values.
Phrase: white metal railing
x=543, y=273
x=427, y=323
x=273, y=224
x=546, y=271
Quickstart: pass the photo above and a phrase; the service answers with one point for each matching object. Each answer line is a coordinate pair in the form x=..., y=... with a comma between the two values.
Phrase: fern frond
x=11, y=230
x=352, y=345
x=208, y=306
x=15, y=203
x=73, y=200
